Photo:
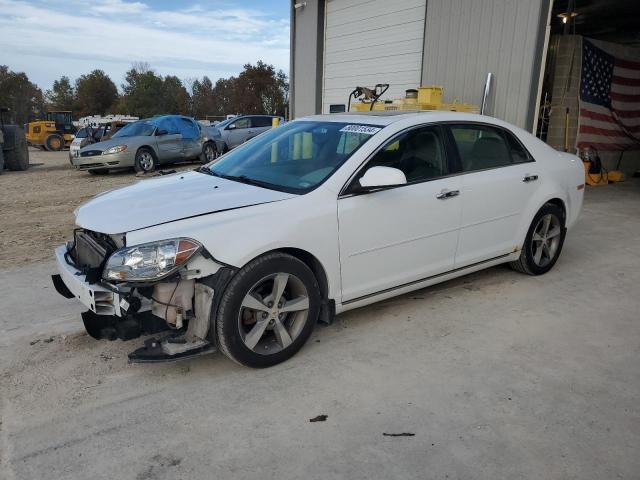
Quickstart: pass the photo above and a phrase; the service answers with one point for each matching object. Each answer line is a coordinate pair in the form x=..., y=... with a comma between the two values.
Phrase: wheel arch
x=150, y=148
x=558, y=202
x=310, y=261
x=534, y=207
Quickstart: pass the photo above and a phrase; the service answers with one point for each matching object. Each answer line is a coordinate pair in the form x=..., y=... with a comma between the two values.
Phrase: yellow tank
x=423, y=98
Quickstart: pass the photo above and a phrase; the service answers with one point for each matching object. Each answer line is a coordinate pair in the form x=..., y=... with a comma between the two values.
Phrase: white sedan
x=324, y=214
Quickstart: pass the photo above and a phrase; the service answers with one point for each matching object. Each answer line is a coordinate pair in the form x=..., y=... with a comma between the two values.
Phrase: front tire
x=268, y=311
x=543, y=243
x=145, y=161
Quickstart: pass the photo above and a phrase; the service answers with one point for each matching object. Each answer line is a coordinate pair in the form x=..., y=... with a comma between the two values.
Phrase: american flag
x=609, y=101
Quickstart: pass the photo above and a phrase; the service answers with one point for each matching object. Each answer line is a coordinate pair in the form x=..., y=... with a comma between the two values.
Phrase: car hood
x=166, y=199
x=112, y=142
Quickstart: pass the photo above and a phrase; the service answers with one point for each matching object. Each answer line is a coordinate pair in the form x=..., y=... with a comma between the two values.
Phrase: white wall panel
x=369, y=42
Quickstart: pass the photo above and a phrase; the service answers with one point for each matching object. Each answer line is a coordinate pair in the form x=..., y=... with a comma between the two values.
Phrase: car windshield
x=142, y=128
x=296, y=157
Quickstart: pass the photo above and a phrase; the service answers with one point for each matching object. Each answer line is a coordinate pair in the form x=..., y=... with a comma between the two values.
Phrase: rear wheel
x=268, y=311
x=16, y=158
x=209, y=153
x=54, y=142
x=145, y=161
x=543, y=243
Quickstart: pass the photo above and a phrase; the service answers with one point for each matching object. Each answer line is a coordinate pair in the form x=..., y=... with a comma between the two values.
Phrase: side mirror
x=161, y=132
x=231, y=127
x=381, y=177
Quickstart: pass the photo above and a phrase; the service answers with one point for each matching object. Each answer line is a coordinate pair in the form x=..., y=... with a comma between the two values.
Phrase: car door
x=169, y=140
x=191, y=133
x=499, y=176
x=237, y=131
x=391, y=237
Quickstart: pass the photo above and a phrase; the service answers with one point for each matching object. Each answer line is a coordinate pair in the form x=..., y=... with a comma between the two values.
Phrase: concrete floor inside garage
x=496, y=375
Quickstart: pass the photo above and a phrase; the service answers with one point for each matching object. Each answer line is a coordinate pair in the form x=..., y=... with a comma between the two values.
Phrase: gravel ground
x=36, y=206
x=490, y=376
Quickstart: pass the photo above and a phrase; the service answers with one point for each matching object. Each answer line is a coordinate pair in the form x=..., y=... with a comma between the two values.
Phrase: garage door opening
x=590, y=95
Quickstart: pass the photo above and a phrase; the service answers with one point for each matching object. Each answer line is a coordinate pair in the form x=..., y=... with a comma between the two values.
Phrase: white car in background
x=322, y=215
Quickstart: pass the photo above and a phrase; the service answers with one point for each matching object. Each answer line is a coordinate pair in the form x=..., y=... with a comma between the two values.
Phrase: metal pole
x=486, y=93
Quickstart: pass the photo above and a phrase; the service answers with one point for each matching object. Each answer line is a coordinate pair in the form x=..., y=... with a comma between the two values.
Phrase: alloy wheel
x=273, y=313
x=146, y=161
x=209, y=153
x=546, y=240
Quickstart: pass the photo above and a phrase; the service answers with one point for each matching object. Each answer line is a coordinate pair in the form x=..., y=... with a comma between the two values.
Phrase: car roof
x=387, y=117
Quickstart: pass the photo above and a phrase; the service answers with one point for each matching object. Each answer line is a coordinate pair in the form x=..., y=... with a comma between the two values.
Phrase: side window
x=419, y=153
x=242, y=123
x=258, y=122
x=518, y=153
x=481, y=147
x=169, y=125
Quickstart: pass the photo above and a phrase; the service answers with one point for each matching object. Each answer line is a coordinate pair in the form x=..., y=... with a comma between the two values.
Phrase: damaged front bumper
x=120, y=312
x=72, y=283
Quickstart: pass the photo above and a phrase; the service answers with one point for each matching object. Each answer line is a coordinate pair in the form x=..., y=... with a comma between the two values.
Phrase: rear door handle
x=443, y=195
x=530, y=178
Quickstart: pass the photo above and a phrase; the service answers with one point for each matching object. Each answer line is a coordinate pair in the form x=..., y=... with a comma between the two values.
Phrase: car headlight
x=116, y=149
x=149, y=261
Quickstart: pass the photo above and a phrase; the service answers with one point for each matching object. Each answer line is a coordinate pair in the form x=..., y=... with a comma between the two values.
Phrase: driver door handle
x=443, y=195
x=530, y=178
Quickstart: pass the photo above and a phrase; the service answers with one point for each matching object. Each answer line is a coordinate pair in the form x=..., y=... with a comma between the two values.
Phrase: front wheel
x=145, y=161
x=543, y=243
x=268, y=311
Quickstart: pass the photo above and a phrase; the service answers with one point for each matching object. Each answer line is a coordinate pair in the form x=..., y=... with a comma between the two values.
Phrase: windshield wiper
x=251, y=181
x=207, y=171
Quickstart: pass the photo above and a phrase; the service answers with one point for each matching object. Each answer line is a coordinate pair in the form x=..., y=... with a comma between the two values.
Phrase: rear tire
x=266, y=335
x=145, y=161
x=17, y=157
x=54, y=142
x=543, y=243
x=209, y=152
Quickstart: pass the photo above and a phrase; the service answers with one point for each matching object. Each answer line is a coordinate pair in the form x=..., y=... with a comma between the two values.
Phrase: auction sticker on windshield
x=360, y=129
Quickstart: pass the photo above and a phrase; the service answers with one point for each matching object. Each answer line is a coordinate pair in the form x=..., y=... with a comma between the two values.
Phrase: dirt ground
x=489, y=376
x=36, y=206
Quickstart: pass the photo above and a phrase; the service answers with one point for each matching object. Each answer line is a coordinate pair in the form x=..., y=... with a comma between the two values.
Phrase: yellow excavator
x=54, y=133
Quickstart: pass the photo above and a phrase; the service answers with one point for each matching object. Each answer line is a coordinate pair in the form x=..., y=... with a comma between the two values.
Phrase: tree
x=143, y=90
x=95, y=93
x=24, y=98
x=224, y=96
x=61, y=96
x=203, y=100
x=175, y=98
x=260, y=89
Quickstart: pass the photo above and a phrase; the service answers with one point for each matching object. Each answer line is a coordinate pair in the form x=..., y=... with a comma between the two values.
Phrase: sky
x=189, y=39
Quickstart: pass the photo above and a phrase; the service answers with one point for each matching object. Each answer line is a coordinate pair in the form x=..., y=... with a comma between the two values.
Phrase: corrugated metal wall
x=465, y=39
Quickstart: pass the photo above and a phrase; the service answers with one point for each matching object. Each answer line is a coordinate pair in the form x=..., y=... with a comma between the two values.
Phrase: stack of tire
x=14, y=154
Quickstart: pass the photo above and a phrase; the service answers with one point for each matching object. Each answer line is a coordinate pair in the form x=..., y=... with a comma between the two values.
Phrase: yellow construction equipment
x=54, y=133
x=427, y=97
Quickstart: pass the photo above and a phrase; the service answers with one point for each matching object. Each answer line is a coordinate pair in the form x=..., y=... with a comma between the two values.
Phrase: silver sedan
x=146, y=144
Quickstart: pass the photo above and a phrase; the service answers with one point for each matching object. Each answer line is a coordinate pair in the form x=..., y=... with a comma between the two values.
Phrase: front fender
x=235, y=237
